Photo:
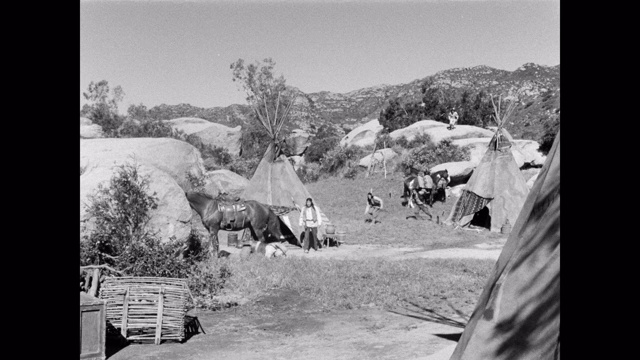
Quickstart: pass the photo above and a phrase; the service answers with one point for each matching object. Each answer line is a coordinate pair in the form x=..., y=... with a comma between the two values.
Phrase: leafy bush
x=121, y=240
x=319, y=147
x=309, y=173
x=121, y=212
x=339, y=158
x=427, y=156
x=352, y=172
x=151, y=129
x=384, y=140
x=402, y=141
x=550, y=131
x=214, y=157
x=245, y=167
x=420, y=140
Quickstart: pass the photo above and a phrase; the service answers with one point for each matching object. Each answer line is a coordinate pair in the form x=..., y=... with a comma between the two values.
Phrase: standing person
x=374, y=205
x=453, y=119
x=310, y=218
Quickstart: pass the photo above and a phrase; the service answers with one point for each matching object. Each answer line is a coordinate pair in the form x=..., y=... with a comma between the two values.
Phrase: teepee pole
x=266, y=110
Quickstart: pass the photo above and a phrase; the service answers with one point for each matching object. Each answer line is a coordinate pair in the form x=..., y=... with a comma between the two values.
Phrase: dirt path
x=283, y=325
x=354, y=252
x=299, y=329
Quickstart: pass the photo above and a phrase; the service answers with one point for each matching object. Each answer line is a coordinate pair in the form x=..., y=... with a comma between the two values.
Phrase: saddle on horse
x=233, y=214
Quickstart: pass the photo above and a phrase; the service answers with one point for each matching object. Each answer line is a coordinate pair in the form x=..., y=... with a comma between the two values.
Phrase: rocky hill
x=538, y=88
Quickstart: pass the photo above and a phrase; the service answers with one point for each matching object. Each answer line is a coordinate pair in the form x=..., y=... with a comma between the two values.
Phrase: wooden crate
x=92, y=327
x=147, y=308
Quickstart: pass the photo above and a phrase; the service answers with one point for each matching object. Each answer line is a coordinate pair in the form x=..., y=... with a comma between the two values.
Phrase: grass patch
x=349, y=284
x=344, y=202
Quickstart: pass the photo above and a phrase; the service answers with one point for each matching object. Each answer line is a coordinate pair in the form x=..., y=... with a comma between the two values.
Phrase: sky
x=172, y=52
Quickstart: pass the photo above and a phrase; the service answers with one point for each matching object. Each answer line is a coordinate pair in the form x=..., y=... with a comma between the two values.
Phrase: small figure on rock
x=453, y=119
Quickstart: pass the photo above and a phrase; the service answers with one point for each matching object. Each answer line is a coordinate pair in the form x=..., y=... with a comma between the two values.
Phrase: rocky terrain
x=538, y=87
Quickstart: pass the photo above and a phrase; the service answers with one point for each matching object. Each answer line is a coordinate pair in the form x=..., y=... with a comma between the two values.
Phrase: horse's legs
x=213, y=241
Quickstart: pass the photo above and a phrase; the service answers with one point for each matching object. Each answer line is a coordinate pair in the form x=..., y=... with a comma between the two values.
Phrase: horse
x=231, y=214
x=440, y=181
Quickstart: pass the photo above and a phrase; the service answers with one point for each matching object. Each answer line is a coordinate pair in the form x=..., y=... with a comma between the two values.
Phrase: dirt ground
x=285, y=325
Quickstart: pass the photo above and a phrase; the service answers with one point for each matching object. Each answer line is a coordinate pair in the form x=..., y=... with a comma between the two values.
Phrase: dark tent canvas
x=497, y=189
x=518, y=312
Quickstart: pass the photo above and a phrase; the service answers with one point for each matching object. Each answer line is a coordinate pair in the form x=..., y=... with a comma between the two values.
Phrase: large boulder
x=387, y=154
x=438, y=131
x=523, y=151
x=170, y=220
x=459, y=171
x=224, y=180
x=363, y=135
x=174, y=157
x=210, y=133
x=89, y=130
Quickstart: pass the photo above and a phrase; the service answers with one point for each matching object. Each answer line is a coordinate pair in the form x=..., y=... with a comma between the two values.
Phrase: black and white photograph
x=319, y=179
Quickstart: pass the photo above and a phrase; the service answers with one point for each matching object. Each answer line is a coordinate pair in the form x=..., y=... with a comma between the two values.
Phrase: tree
x=265, y=92
x=102, y=108
x=138, y=112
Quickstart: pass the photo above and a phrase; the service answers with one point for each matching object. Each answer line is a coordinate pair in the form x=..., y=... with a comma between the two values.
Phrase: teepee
x=275, y=182
x=497, y=190
x=518, y=313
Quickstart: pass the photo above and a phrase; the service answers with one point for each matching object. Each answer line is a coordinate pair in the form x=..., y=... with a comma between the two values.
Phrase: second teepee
x=497, y=190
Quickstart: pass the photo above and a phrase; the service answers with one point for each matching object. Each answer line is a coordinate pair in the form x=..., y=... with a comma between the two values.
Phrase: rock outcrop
x=387, y=154
x=210, y=133
x=363, y=135
x=224, y=180
x=174, y=157
x=166, y=162
x=459, y=171
x=438, y=131
x=171, y=219
x=89, y=130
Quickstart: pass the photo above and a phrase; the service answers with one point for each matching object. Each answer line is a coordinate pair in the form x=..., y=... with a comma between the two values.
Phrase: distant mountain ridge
x=538, y=87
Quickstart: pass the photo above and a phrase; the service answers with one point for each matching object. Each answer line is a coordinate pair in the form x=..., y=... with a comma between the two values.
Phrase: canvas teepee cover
x=518, y=312
x=496, y=183
x=275, y=182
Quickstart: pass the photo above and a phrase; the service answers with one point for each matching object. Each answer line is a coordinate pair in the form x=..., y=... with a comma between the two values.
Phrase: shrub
x=309, y=173
x=244, y=167
x=339, y=158
x=352, y=172
x=150, y=128
x=427, y=156
x=420, y=140
x=319, y=147
x=384, y=141
x=549, y=135
x=214, y=156
x=402, y=141
x=121, y=212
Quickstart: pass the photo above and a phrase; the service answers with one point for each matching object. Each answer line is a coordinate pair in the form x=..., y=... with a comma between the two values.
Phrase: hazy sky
x=180, y=51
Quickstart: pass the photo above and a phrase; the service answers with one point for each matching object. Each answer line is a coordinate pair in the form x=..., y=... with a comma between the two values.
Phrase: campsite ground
x=292, y=322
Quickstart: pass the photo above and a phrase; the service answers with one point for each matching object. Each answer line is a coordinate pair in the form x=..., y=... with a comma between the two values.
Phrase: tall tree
x=266, y=93
x=102, y=107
